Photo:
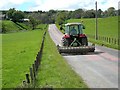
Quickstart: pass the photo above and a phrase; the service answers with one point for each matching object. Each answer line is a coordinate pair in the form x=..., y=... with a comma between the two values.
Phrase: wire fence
x=110, y=40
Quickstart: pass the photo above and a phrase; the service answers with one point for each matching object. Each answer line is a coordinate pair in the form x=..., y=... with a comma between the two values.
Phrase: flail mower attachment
x=76, y=50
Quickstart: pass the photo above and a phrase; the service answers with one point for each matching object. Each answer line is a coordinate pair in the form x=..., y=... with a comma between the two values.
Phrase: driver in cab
x=73, y=31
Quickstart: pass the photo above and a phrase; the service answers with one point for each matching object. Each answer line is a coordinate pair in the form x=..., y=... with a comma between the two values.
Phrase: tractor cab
x=74, y=29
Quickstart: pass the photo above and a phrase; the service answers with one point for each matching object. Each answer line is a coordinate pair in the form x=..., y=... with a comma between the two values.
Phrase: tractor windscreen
x=73, y=29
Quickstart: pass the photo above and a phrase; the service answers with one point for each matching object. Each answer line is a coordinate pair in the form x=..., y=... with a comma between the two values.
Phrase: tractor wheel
x=65, y=42
x=84, y=41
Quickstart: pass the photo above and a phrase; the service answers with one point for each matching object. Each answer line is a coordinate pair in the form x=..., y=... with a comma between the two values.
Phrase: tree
x=61, y=17
x=77, y=13
x=14, y=15
x=17, y=15
x=89, y=14
x=99, y=13
x=10, y=13
x=33, y=22
x=119, y=12
x=111, y=11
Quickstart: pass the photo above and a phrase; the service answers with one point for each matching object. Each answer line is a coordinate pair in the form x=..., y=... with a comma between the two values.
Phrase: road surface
x=98, y=69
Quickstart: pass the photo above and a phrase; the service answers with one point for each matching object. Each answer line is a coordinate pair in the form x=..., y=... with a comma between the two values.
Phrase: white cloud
x=46, y=5
x=11, y=3
x=74, y=4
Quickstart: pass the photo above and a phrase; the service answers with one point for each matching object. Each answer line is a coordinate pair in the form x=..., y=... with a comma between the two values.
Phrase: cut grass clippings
x=54, y=70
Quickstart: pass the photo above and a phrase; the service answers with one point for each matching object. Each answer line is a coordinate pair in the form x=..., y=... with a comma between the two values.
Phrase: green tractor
x=74, y=40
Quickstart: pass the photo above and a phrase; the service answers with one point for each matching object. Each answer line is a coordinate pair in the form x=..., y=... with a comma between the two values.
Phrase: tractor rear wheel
x=84, y=41
x=65, y=42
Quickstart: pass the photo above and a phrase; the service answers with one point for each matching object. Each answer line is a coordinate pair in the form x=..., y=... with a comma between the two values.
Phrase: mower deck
x=80, y=49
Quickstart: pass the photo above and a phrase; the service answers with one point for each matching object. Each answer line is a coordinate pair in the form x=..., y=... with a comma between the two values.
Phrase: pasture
x=18, y=53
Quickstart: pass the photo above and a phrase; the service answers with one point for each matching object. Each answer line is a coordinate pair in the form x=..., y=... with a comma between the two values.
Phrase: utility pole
x=96, y=22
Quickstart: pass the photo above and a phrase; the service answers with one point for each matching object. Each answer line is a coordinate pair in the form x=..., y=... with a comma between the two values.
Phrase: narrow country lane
x=98, y=69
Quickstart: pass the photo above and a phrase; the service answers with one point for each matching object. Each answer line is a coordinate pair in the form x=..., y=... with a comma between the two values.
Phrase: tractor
x=74, y=40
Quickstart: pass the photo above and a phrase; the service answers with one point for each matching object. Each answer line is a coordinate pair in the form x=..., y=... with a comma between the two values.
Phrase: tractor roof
x=70, y=24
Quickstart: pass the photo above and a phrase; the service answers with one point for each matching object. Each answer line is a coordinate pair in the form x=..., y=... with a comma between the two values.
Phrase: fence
x=110, y=40
x=31, y=77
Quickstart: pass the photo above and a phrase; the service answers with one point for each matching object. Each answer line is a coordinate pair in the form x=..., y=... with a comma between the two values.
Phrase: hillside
x=9, y=26
x=107, y=31
x=106, y=26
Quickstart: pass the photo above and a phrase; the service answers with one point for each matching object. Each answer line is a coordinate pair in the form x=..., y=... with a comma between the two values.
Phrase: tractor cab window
x=80, y=28
x=67, y=30
x=74, y=29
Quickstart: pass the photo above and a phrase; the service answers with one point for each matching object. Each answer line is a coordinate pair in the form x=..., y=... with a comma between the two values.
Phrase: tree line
x=57, y=16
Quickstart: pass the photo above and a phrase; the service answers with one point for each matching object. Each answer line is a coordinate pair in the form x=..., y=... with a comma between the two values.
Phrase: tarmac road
x=98, y=69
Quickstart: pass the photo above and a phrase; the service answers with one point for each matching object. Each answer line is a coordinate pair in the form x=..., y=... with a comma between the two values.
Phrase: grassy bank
x=107, y=27
x=9, y=26
x=55, y=71
x=18, y=53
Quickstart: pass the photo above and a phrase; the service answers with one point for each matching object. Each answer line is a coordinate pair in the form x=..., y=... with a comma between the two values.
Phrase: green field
x=55, y=71
x=18, y=54
x=106, y=26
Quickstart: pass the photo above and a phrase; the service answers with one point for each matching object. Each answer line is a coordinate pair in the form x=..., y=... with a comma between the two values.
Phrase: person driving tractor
x=73, y=31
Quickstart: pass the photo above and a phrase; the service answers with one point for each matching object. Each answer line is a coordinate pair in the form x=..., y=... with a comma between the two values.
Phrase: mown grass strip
x=55, y=71
x=18, y=54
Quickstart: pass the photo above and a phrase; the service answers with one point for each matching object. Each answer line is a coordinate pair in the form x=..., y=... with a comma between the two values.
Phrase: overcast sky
x=46, y=5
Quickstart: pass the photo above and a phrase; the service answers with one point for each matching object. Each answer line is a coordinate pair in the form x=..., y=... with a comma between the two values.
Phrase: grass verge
x=18, y=53
x=55, y=71
x=103, y=43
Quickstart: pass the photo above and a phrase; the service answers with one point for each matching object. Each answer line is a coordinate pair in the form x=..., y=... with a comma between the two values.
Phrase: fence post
x=31, y=74
x=35, y=65
x=115, y=41
x=27, y=78
x=109, y=40
x=118, y=41
x=112, y=40
x=105, y=38
x=24, y=83
x=34, y=72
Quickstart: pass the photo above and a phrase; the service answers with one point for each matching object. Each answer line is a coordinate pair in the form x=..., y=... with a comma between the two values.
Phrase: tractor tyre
x=65, y=42
x=84, y=41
